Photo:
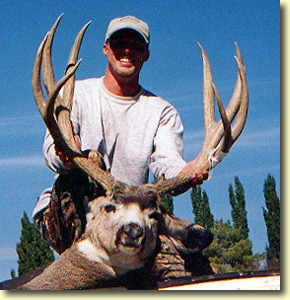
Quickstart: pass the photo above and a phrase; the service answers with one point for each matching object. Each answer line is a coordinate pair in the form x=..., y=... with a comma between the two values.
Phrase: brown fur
x=105, y=251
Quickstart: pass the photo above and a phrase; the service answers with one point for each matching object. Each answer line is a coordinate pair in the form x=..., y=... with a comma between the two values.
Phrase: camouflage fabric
x=168, y=262
x=64, y=221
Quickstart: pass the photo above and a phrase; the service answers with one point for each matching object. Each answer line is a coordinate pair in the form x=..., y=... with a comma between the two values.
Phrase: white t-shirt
x=134, y=134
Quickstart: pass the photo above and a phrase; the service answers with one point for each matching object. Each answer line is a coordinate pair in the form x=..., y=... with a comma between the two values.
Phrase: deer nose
x=133, y=230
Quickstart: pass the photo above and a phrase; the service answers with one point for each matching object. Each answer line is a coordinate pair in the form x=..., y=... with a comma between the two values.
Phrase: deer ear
x=197, y=237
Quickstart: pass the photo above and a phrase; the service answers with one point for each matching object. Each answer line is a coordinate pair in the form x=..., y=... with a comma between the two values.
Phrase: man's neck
x=121, y=88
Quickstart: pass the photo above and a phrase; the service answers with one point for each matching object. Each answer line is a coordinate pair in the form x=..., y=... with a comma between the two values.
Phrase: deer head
x=125, y=227
x=121, y=235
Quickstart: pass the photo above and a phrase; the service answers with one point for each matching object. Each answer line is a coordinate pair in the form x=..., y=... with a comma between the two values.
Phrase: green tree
x=12, y=273
x=201, y=209
x=272, y=219
x=32, y=251
x=167, y=203
x=230, y=251
x=238, y=203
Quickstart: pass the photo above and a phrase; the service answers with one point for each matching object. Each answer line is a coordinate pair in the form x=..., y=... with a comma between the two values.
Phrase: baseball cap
x=128, y=22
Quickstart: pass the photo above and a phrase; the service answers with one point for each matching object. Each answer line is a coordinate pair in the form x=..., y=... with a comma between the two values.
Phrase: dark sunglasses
x=134, y=45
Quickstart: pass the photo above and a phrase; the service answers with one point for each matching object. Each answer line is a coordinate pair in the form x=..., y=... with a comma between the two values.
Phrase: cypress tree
x=32, y=251
x=167, y=203
x=238, y=203
x=12, y=273
x=233, y=202
x=196, y=201
x=272, y=220
x=201, y=209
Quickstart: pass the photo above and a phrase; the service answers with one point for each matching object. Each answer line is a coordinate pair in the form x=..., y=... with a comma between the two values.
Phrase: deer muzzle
x=131, y=238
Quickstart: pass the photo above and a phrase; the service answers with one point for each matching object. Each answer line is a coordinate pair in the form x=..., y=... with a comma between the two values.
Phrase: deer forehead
x=132, y=212
x=121, y=210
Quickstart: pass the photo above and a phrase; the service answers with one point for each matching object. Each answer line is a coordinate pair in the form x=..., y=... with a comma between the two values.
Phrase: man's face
x=126, y=51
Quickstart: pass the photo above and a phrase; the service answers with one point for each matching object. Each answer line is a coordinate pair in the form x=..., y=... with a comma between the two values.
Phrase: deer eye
x=151, y=204
x=157, y=216
x=110, y=207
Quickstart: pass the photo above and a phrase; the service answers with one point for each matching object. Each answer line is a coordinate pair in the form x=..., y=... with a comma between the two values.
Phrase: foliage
x=201, y=209
x=167, y=203
x=238, y=203
x=272, y=220
x=32, y=251
x=230, y=251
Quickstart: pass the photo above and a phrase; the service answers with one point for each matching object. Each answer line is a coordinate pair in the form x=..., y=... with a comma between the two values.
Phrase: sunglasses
x=133, y=45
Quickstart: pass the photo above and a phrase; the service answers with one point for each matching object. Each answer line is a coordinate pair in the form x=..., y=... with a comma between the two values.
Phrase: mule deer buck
x=124, y=225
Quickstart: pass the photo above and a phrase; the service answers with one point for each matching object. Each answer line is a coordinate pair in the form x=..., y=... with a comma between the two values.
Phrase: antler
x=56, y=110
x=219, y=136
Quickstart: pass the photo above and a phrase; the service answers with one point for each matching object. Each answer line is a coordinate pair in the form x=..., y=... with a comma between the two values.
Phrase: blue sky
x=174, y=71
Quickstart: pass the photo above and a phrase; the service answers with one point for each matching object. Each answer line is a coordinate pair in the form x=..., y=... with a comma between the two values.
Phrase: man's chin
x=126, y=72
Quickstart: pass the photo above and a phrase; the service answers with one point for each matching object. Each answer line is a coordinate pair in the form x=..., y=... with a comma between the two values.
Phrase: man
x=134, y=130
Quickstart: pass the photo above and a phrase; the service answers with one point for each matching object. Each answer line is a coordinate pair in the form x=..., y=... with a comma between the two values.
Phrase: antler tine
x=40, y=101
x=213, y=131
x=46, y=108
x=238, y=106
x=244, y=103
x=235, y=101
x=47, y=69
x=36, y=84
x=50, y=106
x=208, y=93
x=65, y=105
x=69, y=87
x=227, y=139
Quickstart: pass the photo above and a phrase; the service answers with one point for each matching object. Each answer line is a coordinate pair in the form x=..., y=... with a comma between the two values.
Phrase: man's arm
x=55, y=159
x=49, y=153
x=198, y=178
x=167, y=158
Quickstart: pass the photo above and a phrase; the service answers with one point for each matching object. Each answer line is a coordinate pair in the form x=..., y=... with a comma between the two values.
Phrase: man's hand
x=197, y=178
x=66, y=160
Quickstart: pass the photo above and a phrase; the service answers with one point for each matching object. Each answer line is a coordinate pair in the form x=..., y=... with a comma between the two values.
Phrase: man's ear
x=146, y=55
x=105, y=49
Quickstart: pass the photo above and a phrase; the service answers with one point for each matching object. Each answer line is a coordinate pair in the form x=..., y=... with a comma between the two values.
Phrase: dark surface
x=14, y=283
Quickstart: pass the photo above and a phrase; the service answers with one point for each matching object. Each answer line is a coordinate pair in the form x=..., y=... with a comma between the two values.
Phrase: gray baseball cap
x=128, y=22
